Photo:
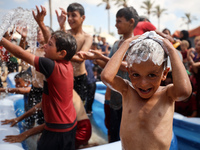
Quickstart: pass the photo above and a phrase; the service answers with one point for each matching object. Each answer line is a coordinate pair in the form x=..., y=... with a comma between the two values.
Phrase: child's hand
x=40, y=14
x=15, y=138
x=22, y=31
x=132, y=38
x=91, y=54
x=12, y=121
x=168, y=45
x=62, y=17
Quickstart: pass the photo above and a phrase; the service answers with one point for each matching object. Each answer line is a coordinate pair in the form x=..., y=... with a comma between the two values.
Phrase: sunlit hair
x=76, y=7
x=65, y=41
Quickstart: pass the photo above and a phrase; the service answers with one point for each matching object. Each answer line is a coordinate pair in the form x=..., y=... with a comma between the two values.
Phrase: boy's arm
x=24, y=135
x=25, y=115
x=181, y=88
x=108, y=75
x=16, y=90
x=18, y=51
x=100, y=59
x=61, y=18
x=39, y=18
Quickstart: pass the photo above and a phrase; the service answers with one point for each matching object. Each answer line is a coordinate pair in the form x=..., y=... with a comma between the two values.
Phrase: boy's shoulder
x=87, y=36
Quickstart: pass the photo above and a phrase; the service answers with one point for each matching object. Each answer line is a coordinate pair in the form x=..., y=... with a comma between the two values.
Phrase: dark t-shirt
x=57, y=104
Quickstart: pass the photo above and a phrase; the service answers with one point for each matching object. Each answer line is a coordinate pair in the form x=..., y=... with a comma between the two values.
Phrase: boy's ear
x=63, y=53
x=83, y=17
x=164, y=76
x=132, y=21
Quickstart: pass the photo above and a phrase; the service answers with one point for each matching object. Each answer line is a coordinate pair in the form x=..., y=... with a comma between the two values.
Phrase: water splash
x=21, y=18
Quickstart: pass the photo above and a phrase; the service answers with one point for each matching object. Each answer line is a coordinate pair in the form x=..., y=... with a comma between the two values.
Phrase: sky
x=97, y=16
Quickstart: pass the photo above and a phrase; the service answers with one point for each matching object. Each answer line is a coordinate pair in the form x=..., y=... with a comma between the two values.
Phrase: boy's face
x=50, y=49
x=183, y=47
x=75, y=19
x=123, y=26
x=146, y=78
x=20, y=83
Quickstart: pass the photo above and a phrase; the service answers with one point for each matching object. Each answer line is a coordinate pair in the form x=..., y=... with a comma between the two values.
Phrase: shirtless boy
x=76, y=16
x=148, y=108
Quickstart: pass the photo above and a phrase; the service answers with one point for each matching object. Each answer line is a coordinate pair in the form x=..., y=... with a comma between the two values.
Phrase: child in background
x=22, y=84
x=194, y=61
x=57, y=105
x=148, y=108
x=184, y=49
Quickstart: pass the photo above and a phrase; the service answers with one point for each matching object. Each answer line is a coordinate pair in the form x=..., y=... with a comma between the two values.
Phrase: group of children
x=140, y=108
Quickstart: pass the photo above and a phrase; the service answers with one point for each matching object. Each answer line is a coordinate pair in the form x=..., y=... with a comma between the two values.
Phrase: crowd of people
x=142, y=91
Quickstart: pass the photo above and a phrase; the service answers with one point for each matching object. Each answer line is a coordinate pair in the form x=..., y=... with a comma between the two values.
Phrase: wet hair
x=76, y=7
x=65, y=41
x=147, y=49
x=25, y=75
x=128, y=13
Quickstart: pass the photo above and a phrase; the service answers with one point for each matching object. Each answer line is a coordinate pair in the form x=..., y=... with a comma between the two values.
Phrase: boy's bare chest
x=150, y=111
x=80, y=40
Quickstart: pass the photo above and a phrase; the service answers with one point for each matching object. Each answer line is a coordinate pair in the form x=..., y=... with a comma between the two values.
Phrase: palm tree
x=188, y=18
x=121, y=3
x=50, y=13
x=107, y=8
x=158, y=12
x=148, y=5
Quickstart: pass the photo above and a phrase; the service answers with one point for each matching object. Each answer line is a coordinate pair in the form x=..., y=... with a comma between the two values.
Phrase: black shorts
x=80, y=86
x=35, y=97
x=57, y=140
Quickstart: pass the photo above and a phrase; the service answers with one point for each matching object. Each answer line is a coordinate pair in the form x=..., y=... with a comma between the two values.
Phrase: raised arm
x=39, y=18
x=181, y=88
x=62, y=18
x=108, y=75
x=18, y=51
